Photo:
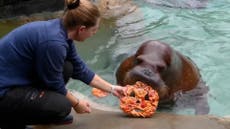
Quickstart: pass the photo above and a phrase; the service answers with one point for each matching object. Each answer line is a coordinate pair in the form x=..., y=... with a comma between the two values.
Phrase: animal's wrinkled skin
x=166, y=70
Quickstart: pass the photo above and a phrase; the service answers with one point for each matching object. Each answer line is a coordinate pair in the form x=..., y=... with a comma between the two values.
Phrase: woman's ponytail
x=80, y=12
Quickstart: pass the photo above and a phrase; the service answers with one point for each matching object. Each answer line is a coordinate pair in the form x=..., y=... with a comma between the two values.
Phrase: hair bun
x=72, y=4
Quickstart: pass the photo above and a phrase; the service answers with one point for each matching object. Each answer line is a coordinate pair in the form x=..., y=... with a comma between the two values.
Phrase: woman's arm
x=100, y=83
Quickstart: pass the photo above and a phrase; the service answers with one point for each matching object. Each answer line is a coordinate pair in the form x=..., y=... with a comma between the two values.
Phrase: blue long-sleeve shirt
x=35, y=53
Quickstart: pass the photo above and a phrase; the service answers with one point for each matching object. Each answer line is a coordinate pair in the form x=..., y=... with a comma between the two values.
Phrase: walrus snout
x=150, y=77
x=146, y=75
x=147, y=72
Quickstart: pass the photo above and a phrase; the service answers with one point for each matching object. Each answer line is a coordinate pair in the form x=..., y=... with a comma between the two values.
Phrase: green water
x=201, y=34
x=5, y=27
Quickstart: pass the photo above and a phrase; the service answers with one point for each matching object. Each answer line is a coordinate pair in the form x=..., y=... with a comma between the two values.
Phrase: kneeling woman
x=36, y=61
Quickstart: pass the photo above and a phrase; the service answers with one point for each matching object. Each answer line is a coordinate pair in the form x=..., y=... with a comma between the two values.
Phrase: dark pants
x=29, y=105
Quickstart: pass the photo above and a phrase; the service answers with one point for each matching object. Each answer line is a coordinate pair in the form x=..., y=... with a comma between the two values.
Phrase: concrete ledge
x=103, y=117
x=99, y=119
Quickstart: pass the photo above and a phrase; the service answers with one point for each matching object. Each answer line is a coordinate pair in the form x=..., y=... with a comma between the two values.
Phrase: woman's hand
x=118, y=91
x=82, y=107
x=101, y=84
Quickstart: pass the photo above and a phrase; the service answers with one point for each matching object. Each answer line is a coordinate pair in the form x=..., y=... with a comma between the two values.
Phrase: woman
x=36, y=61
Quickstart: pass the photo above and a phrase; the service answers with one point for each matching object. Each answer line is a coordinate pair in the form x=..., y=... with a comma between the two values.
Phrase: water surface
x=201, y=34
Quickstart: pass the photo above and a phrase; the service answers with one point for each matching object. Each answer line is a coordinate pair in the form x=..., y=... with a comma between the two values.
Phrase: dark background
x=12, y=8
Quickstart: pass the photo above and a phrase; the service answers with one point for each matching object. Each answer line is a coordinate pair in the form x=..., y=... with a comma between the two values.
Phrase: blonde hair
x=80, y=12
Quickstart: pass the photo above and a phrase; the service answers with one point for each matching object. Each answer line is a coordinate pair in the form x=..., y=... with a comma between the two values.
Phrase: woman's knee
x=65, y=108
x=57, y=105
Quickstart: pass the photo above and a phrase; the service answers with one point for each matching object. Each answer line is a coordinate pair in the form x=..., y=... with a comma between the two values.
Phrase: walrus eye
x=137, y=61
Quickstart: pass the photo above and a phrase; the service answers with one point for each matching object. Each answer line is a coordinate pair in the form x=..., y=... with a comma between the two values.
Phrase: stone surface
x=103, y=117
x=113, y=9
x=109, y=8
x=99, y=119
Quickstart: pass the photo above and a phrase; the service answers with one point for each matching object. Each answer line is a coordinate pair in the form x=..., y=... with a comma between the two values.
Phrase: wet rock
x=113, y=9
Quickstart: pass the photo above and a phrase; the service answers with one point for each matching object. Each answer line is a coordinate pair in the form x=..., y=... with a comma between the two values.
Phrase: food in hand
x=99, y=93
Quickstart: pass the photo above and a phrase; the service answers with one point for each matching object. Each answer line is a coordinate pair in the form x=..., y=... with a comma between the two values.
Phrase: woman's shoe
x=67, y=120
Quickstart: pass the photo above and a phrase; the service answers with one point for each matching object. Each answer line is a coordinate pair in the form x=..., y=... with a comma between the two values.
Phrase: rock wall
x=12, y=8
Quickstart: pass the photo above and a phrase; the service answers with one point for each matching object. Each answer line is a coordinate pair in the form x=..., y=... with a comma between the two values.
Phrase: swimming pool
x=201, y=34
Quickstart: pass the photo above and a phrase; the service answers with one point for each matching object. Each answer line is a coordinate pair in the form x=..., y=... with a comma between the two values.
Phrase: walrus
x=169, y=72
